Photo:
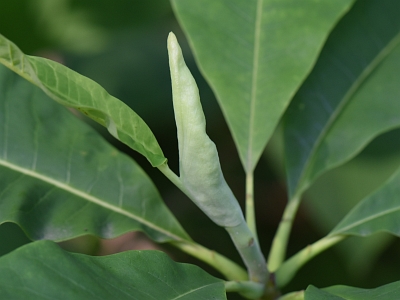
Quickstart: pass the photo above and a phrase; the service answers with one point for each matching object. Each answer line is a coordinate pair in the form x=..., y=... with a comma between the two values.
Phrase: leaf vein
x=256, y=53
x=88, y=197
x=372, y=217
x=194, y=290
x=346, y=98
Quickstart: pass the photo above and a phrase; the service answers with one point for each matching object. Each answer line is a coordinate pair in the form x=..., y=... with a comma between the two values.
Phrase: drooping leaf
x=74, y=90
x=255, y=54
x=59, y=179
x=377, y=212
x=351, y=96
x=389, y=291
x=42, y=270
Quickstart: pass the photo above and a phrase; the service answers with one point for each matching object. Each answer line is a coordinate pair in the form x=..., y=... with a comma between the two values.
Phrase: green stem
x=293, y=296
x=226, y=267
x=250, y=215
x=280, y=241
x=248, y=289
x=242, y=237
x=250, y=252
x=164, y=168
x=290, y=267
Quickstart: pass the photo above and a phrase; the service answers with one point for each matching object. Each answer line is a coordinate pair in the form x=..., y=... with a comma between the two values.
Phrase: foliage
x=317, y=78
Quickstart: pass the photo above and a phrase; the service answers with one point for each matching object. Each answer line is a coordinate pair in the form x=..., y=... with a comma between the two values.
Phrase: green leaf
x=255, y=54
x=350, y=97
x=389, y=291
x=377, y=212
x=74, y=90
x=313, y=293
x=343, y=187
x=59, y=179
x=42, y=270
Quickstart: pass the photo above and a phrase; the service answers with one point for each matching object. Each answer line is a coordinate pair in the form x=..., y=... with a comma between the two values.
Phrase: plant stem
x=293, y=296
x=290, y=267
x=164, y=168
x=250, y=215
x=243, y=238
x=226, y=267
x=248, y=289
x=280, y=241
x=250, y=252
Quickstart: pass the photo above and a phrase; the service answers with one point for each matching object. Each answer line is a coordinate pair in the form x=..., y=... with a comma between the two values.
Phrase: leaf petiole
x=280, y=241
x=290, y=267
x=225, y=266
x=250, y=215
x=242, y=237
x=293, y=296
x=248, y=289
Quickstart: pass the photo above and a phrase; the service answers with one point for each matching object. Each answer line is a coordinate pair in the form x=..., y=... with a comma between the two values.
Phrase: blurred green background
x=122, y=45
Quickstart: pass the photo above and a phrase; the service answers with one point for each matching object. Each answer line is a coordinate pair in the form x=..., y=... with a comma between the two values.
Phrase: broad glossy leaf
x=74, y=90
x=377, y=212
x=351, y=96
x=389, y=291
x=255, y=54
x=59, y=179
x=42, y=270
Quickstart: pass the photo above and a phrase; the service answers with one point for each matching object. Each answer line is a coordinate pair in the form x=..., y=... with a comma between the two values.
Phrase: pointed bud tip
x=171, y=35
x=173, y=45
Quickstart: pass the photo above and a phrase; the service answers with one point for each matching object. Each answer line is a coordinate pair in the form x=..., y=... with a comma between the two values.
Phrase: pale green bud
x=200, y=170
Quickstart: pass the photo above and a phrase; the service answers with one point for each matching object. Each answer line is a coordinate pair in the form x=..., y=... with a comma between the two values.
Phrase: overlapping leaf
x=389, y=291
x=255, y=54
x=42, y=270
x=351, y=96
x=74, y=90
x=59, y=179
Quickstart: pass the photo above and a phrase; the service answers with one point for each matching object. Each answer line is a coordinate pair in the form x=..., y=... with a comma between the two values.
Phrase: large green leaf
x=42, y=270
x=74, y=90
x=377, y=212
x=59, y=179
x=255, y=54
x=389, y=291
x=351, y=96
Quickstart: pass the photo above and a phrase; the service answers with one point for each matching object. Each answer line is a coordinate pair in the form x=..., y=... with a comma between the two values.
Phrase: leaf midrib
x=364, y=220
x=346, y=98
x=87, y=197
x=194, y=290
x=53, y=93
x=254, y=79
